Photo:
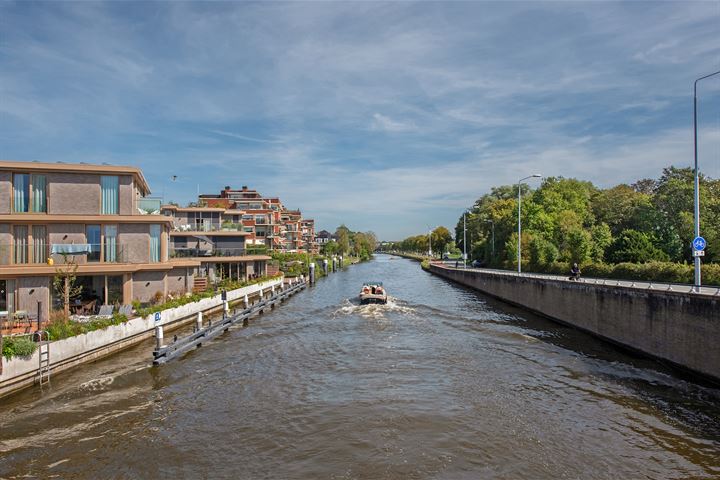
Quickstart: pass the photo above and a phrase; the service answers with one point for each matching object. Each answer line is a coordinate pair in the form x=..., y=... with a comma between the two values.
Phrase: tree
x=441, y=237
x=636, y=247
x=64, y=282
x=343, y=239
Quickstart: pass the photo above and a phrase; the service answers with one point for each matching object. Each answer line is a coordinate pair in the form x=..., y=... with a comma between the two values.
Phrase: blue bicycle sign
x=699, y=243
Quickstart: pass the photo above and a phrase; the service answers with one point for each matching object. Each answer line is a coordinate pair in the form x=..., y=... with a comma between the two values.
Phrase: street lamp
x=696, y=259
x=519, y=240
x=493, y=237
x=464, y=239
x=429, y=241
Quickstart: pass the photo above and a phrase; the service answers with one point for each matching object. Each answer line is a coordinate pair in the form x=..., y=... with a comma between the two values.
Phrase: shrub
x=20, y=346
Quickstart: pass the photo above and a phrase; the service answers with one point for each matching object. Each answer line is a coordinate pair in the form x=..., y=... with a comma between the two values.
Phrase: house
x=99, y=217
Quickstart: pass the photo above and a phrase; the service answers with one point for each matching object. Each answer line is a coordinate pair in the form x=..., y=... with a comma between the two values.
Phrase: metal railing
x=24, y=254
x=176, y=252
x=611, y=282
x=208, y=227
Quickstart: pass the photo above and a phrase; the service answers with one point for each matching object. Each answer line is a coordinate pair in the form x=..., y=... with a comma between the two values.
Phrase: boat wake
x=372, y=310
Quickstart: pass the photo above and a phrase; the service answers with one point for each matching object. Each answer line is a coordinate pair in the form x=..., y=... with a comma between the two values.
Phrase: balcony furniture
x=84, y=307
x=105, y=311
x=126, y=310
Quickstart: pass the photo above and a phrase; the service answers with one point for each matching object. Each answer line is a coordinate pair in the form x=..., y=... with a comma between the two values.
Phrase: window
x=29, y=193
x=92, y=232
x=110, y=186
x=39, y=244
x=7, y=295
x=111, y=246
x=154, y=243
x=21, y=244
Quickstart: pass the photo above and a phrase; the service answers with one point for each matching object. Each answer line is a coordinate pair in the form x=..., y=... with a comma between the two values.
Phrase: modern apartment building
x=216, y=239
x=266, y=220
x=96, y=216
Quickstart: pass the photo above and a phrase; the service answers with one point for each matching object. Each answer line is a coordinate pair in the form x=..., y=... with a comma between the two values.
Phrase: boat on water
x=373, y=292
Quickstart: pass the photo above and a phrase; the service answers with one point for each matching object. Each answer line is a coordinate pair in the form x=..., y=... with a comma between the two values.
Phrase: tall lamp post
x=519, y=240
x=429, y=241
x=696, y=259
x=464, y=239
x=493, y=236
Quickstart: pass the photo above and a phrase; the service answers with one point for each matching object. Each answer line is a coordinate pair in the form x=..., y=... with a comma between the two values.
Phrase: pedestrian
x=574, y=272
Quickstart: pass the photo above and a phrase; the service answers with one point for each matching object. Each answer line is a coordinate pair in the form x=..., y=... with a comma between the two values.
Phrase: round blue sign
x=699, y=243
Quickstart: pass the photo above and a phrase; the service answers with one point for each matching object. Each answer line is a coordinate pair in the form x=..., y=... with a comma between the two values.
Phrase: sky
x=390, y=117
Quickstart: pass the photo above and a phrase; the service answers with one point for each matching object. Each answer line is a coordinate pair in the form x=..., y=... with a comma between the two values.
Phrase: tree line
x=357, y=244
x=570, y=220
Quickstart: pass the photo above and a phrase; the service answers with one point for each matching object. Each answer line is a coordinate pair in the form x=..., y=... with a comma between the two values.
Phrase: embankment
x=676, y=327
x=18, y=373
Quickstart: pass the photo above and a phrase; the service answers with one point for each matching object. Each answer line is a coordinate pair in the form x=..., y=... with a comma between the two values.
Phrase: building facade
x=98, y=217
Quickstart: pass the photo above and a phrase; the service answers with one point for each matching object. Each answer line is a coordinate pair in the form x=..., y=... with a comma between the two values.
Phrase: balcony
x=23, y=254
x=209, y=227
x=149, y=206
x=176, y=252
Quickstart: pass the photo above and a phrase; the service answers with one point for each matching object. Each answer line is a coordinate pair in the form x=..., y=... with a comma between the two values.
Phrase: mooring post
x=158, y=337
x=246, y=302
x=198, y=321
x=325, y=266
x=312, y=273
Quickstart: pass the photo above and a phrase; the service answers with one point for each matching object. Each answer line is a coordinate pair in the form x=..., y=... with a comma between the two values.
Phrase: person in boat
x=574, y=272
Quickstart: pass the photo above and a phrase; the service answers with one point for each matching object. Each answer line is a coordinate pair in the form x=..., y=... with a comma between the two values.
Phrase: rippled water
x=440, y=383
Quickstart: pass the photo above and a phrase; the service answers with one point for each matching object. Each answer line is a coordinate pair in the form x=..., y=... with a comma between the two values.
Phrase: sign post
x=698, y=250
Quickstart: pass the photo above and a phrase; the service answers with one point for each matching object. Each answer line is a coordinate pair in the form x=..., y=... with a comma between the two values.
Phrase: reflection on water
x=439, y=383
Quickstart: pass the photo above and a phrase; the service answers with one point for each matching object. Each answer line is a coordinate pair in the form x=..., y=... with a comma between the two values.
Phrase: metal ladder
x=43, y=340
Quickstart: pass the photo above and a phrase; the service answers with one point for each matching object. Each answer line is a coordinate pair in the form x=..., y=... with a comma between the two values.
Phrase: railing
x=209, y=227
x=24, y=254
x=149, y=206
x=209, y=252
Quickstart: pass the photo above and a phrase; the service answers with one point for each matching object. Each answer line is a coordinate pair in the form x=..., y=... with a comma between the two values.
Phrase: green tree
x=636, y=247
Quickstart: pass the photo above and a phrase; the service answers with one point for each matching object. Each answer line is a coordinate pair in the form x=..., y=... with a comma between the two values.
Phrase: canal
x=440, y=383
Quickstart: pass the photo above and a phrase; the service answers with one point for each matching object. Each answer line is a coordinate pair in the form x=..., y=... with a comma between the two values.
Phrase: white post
x=159, y=337
x=198, y=321
x=246, y=301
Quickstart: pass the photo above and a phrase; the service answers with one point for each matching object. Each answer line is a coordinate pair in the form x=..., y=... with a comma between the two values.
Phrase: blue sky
x=386, y=116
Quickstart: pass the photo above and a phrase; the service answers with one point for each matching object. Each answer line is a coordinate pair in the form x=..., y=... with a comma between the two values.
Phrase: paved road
x=641, y=285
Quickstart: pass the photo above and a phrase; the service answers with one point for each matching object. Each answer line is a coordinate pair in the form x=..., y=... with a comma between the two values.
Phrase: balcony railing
x=209, y=252
x=23, y=254
x=209, y=227
x=149, y=206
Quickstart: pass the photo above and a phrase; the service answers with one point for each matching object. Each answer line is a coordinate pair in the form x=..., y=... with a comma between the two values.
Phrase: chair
x=126, y=310
x=105, y=311
x=89, y=308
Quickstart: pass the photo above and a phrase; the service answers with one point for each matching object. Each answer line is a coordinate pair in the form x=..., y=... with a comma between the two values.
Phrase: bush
x=20, y=346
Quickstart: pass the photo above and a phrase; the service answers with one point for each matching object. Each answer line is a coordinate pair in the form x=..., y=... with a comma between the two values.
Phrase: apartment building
x=266, y=220
x=217, y=239
x=99, y=217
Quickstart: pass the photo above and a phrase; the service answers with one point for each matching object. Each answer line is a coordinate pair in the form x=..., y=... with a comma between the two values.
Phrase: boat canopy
x=379, y=284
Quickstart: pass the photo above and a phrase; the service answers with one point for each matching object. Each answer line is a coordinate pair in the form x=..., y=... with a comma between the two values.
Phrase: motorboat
x=373, y=292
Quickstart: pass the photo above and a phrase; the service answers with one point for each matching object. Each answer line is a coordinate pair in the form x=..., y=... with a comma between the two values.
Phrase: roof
x=79, y=168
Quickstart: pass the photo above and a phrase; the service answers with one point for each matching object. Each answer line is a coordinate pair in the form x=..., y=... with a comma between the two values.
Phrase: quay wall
x=680, y=328
x=20, y=372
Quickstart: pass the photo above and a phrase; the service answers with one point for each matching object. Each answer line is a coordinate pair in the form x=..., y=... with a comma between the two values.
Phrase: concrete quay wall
x=680, y=328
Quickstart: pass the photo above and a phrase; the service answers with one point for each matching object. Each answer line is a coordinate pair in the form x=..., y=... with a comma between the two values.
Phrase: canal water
x=440, y=383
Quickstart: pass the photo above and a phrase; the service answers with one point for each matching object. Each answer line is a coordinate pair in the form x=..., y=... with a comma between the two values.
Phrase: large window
x=111, y=246
x=155, y=243
x=92, y=233
x=110, y=186
x=39, y=244
x=29, y=193
x=21, y=244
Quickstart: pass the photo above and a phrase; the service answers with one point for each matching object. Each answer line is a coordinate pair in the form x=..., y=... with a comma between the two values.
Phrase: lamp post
x=464, y=239
x=696, y=259
x=519, y=240
x=429, y=241
x=493, y=236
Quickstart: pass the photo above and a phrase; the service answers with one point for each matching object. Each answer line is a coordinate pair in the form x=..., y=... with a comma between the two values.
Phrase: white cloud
x=381, y=122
